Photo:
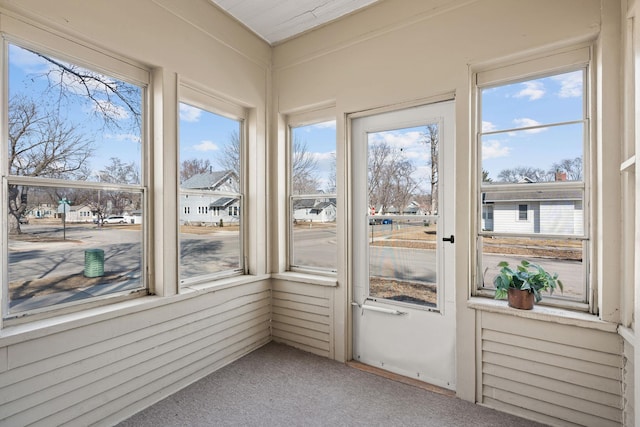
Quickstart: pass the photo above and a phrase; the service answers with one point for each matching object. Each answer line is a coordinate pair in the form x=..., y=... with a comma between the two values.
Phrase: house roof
x=525, y=196
x=222, y=202
x=304, y=203
x=207, y=181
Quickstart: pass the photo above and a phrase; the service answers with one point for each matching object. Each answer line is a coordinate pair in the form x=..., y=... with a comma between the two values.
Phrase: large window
x=73, y=188
x=312, y=205
x=533, y=154
x=210, y=194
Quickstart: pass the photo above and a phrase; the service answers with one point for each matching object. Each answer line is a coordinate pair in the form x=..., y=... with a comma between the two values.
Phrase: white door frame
x=381, y=314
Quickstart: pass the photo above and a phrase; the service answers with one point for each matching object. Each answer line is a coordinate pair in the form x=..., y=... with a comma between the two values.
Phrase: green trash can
x=93, y=263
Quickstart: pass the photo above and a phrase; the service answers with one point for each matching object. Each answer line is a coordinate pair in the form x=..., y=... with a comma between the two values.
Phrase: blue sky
x=203, y=135
x=532, y=104
x=320, y=139
x=27, y=77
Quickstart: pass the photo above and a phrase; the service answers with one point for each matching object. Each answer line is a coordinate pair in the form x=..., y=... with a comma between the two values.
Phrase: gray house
x=551, y=212
x=212, y=203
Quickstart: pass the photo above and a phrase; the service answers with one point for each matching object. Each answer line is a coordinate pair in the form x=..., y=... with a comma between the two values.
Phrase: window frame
x=48, y=43
x=196, y=96
x=521, y=212
x=536, y=66
x=294, y=121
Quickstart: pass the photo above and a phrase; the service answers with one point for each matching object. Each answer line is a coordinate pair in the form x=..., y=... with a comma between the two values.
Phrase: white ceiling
x=277, y=20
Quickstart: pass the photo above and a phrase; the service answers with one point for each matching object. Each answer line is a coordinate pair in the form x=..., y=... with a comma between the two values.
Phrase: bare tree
x=41, y=145
x=112, y=99
x=519, y=173
x=304, y=180
x=391, y=177
x=380, y=166
x=431, y=138
x=192, y=167
x=304, y=169
x=331, y=183
x=230, y=156
x=571, y=167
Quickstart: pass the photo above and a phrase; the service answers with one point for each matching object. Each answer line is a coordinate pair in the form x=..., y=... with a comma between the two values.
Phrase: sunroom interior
x=181, y=190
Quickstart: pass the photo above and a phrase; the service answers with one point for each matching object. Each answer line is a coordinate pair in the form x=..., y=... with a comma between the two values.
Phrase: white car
x=114, y=220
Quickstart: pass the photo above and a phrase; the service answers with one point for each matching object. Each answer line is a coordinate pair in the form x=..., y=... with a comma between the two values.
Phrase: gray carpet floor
x=277, y=385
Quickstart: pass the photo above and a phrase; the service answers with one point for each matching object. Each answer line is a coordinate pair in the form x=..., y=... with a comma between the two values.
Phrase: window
x=523, y=210
x=533, y=160
x=312, y=225
x=75, y=148
x=210, y=179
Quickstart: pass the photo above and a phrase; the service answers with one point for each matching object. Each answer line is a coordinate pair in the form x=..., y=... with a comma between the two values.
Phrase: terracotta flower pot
x=518, y=298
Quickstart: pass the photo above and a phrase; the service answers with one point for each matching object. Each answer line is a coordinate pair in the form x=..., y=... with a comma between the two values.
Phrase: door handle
x=448, y=239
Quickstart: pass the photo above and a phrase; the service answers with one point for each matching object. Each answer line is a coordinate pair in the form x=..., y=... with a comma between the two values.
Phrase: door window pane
x=403, y=214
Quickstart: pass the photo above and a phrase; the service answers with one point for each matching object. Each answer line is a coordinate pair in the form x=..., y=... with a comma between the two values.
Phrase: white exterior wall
x=505, y=218
x=193, y=202
x=560, y=218
x=327, y=214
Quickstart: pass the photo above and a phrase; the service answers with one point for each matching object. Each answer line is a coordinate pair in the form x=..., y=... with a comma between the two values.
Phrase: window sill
x=40, y=328
x=220, y=284
x=309, y=279
x=543, y=313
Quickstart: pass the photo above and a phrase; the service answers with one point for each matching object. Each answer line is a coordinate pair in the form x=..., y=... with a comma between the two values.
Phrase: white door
x=403, y=240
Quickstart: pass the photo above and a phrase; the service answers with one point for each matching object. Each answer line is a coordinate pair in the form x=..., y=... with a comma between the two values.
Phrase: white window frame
x=193, y=94
x=47, y=42
x=293, y=121
x=541, y=65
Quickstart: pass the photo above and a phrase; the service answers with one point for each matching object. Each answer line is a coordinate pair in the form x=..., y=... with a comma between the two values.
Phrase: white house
x=79, y=213
x=551, y=212
x=210, y=203
x=314, y=210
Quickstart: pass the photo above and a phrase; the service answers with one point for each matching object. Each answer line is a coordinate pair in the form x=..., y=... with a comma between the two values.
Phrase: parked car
x=115, y=220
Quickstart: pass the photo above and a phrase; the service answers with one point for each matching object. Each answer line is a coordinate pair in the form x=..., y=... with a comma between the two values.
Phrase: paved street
x=51, y=257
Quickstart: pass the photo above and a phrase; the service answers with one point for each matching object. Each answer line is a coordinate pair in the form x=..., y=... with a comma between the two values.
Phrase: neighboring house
x=80, y=213
x=413, y=209
x=43, y=210
x=314, y=210
x=206, y=206
x=551, y=212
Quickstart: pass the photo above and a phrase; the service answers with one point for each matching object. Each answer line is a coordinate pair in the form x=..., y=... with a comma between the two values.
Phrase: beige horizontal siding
x=557, y=374
x=85, y=375
x=628, y=381
x=303, y=316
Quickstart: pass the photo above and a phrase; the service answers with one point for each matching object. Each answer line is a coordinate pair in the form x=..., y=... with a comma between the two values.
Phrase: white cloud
x=206, y=146
x=527, y=122
x=570, y=84
x=189, y=113
x=401, y=139
x=488, y=126
x=532, y=90
x=494, y=149
x=124, y=137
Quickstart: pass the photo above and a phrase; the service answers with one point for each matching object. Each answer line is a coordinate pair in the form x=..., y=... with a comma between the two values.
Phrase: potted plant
x=524, y=284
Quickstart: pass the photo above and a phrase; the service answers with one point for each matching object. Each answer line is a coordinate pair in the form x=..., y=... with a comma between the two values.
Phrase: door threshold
x=400, y=378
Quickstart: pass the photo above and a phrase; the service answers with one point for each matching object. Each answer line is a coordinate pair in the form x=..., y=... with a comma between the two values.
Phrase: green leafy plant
x=526, y=276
